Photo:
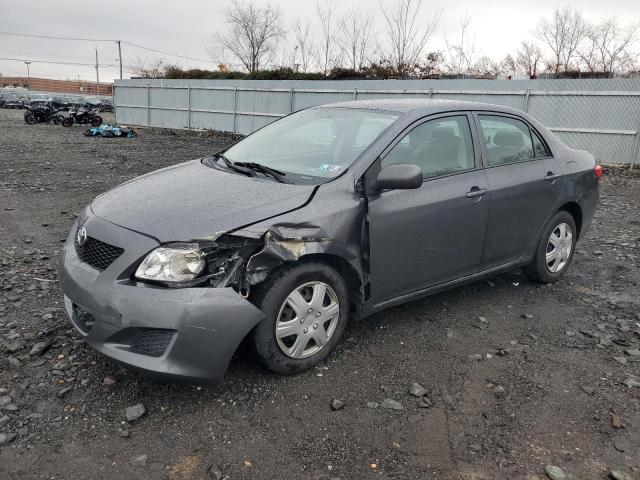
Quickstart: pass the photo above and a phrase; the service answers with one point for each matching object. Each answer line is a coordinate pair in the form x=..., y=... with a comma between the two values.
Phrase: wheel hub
x=298, y=338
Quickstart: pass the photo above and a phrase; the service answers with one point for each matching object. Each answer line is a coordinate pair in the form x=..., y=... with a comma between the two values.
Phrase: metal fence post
x=148, y=105
x=291, y=93
x=355, y=93
x=526, y=100
x=431, y=93
x=189, y=107
x=235, y=107
x=115, y=105
x=635, y=156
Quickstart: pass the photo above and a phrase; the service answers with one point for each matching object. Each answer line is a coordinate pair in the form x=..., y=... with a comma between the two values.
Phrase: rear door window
x=508, y=140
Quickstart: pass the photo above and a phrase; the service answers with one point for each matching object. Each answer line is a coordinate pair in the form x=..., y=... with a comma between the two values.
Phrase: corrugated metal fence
x=602, y=116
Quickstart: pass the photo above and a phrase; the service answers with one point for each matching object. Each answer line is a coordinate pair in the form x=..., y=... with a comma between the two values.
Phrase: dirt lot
x=519, y=376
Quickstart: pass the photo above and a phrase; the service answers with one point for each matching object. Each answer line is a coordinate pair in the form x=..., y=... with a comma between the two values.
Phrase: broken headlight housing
x=217, y=264
x=173, y=263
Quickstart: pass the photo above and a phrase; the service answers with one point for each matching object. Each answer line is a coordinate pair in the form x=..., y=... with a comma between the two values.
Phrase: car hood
x=191, y=201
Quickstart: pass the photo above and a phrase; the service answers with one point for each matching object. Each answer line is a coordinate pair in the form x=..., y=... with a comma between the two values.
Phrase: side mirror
x=399, y=177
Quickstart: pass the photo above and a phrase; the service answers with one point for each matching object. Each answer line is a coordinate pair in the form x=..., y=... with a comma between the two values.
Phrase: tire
x=96, y=121
x=30, y=119
x=56, y=120
x=544, y=271
x=67, y=122
x=272, y=299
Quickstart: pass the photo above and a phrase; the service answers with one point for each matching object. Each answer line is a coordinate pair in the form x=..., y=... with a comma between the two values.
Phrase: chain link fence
x=598, y=115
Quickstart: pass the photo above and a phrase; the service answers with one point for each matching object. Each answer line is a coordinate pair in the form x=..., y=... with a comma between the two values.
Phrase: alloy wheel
x=307, y=320
x=559, y=248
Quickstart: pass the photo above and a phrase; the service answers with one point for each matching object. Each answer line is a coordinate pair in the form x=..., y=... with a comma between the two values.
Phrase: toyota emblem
x=81, y=236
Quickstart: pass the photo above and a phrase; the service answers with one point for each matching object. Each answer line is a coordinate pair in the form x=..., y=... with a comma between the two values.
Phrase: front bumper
x=197, y=330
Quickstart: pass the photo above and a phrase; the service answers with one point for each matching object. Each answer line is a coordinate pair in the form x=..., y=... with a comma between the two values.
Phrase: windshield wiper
x=234, y=166
x=258, y=167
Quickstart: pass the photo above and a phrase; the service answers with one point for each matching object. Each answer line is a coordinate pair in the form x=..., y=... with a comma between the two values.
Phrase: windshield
x=313, y=145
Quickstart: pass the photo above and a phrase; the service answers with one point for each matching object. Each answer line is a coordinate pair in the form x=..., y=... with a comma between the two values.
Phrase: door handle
x=476, y=192
x=550, y=177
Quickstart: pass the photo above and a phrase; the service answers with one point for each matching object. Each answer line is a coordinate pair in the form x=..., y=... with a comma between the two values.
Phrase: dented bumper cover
x=187, y=333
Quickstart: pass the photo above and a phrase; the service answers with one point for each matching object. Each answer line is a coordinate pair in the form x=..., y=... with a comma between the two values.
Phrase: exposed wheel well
x=348, y=272
x=576, y=212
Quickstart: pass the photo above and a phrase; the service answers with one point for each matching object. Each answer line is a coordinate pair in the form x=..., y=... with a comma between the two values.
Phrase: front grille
x=95, y=253
x=83, y=319
x=152, y=342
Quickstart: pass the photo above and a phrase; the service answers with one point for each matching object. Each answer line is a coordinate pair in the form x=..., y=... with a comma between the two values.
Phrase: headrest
x=443, y=134
x=507, y=138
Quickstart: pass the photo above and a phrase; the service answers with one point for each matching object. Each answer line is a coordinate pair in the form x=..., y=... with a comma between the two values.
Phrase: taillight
x=597, y=171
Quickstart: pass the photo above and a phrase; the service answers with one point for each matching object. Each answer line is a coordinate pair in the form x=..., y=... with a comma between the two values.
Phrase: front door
x=434, y=234
x=525, y=183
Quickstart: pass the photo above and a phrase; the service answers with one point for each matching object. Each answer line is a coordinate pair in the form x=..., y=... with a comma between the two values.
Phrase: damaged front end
x=246, y=258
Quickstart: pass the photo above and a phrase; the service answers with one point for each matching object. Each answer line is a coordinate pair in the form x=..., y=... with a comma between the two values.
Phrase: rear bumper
x=188, y=334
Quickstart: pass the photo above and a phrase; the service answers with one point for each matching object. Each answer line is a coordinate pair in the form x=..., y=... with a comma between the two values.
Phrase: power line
x=52, y=37
x=165, y=53
x=13, y=52
x=56, y=63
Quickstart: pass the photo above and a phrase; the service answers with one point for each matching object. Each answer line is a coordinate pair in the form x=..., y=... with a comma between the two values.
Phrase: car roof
x=419, y=105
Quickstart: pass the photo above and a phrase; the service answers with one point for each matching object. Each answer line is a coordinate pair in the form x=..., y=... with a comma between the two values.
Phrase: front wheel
x=30, y=119
x=67, y=121
x=96, y=121
x=306, y=307
x=555, y=250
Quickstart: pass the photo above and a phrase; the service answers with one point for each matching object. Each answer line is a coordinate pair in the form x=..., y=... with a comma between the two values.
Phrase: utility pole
x=120, y=57
x=28, y=74
x=97, y=74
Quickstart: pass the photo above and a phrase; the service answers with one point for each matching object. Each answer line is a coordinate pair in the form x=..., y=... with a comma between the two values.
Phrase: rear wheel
x=555, y=250
x=306, y=307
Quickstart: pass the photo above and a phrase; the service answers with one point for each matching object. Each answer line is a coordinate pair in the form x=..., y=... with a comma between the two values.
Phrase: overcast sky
x=187, y=28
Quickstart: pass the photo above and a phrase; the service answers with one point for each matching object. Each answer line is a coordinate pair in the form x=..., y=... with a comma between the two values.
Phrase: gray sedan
x=324, y=216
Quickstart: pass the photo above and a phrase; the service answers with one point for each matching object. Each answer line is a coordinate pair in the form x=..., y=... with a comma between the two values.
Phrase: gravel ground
x=516, y=376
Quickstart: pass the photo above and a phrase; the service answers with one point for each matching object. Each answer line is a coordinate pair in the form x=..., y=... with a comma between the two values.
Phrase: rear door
x=434, y=234
x=525, y=183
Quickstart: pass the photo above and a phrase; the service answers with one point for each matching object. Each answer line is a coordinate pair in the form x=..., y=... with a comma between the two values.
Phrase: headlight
x=175, y=263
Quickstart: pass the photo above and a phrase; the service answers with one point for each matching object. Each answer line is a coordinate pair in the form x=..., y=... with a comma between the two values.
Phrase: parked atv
x=85, y=116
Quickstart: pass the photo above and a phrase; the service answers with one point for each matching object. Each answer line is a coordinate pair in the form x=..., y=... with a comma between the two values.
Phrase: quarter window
x=540, y=150
x=508, y=140
x=441, y=146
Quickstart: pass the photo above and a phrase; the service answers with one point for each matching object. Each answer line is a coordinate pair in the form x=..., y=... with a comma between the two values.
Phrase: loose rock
x=139, y=460
x=39, y=348
x=7, y=438
x=135, y=412
x=336, y=404
x=554, y=473
x=417, y=390
x=392, y=404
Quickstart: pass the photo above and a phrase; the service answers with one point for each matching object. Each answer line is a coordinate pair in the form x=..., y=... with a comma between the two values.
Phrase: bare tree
x=507, y=66
x=608, y=47
x=529, y=59
x=408, y=33
x=563, y=35
x=460, y=55
x=328, y=55
x=305, y=48
x=253, y=32
x=147, y=68
x=355, y=34
x=486, y=67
